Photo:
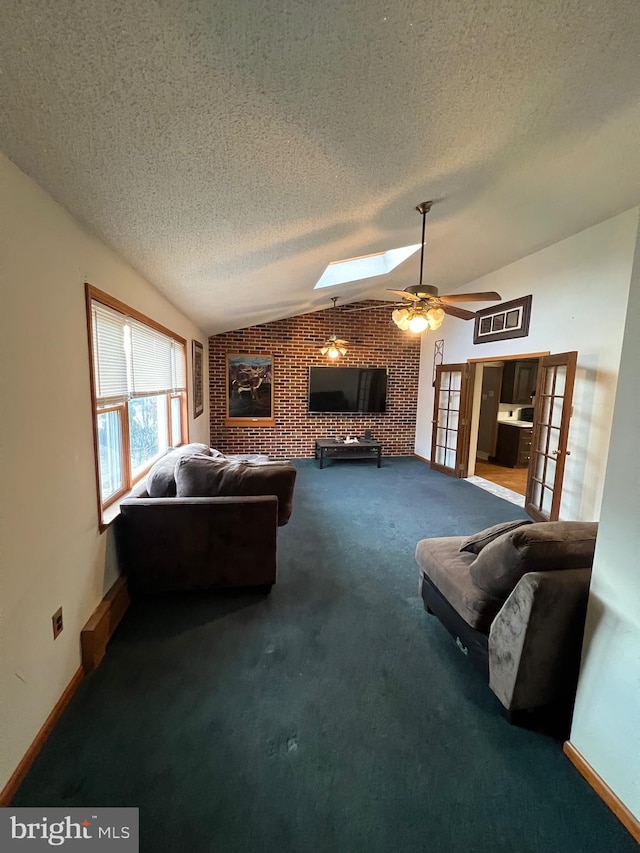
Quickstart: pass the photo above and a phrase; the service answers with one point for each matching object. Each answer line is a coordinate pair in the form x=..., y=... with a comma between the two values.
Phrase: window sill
x=110, y=514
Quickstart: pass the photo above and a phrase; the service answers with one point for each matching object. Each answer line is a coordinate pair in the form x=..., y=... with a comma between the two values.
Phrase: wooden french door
x=554, y=394
x=451, y=419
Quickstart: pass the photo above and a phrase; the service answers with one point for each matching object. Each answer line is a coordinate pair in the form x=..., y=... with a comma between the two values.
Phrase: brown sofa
x=514, y=597
x=201, y=521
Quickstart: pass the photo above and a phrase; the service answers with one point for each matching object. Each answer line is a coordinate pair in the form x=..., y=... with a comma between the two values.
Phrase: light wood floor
x=510, y=478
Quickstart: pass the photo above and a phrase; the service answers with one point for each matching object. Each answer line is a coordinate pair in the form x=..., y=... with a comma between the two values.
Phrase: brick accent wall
x=295, y=344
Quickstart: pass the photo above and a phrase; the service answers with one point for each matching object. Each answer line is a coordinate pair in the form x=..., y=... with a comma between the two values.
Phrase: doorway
x=502, y=423
x=538, y=443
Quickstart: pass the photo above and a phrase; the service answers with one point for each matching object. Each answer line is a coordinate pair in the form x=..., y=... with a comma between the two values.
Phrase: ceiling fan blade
x=405, y=294
x=488, y=296
x=460, y=313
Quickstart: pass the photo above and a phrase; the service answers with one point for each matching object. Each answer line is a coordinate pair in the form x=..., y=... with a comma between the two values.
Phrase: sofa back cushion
x=160, y=479
x=205, y=477
x=542, y=547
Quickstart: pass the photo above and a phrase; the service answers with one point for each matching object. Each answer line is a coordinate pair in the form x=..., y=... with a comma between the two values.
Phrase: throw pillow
x=542, y=547
x=202, y=476
x=474, y=544
x=160, y=479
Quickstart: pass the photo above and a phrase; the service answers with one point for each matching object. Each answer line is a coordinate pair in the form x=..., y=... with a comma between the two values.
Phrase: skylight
x=353, y=269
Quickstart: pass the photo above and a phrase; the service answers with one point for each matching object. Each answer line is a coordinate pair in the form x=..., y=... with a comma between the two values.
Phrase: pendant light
x=334, y=347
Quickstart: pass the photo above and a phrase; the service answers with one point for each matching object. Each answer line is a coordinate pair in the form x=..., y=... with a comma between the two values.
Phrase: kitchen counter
x=512, y=422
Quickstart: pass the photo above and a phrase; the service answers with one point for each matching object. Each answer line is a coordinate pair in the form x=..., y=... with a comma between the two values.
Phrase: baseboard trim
x=422, y=458
x=102, y=623
x=628, y=820
x=9, y=790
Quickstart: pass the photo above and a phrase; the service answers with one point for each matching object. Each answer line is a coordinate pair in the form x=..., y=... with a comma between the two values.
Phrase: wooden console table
x=327, y=448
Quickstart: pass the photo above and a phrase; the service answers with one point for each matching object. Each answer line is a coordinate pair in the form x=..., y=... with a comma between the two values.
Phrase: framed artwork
x=501, y=322
x=249, y=390
x=198, y=378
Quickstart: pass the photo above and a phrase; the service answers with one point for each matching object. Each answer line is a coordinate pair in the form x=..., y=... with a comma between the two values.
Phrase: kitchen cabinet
x=513, y=448
x=518, y=382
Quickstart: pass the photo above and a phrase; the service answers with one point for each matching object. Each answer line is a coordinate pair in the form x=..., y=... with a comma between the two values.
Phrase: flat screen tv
x=348, y=389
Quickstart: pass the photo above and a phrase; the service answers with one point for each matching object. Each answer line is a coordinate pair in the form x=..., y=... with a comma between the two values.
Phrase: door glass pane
x=547, y=497
x=556, y=411
x=549, y=376
x=450, y=459
x=176, y=428
x=545, y=409
x=452, y=438
x=110, y=454
x=440, y=455
x=551, y=470
x=544, y=438
x=535, y=493
x=561, y=379
x=538, y=466
x=456, y=380
x=453, y=420
x=444, y=400
x=148, y=431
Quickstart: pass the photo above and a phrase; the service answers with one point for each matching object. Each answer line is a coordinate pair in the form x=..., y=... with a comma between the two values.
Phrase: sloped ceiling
x=229, y=150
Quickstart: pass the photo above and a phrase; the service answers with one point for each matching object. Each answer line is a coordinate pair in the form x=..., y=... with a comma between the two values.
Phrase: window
x=139, y=393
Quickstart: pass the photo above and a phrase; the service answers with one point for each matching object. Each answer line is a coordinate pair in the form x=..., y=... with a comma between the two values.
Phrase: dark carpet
x=333, y=715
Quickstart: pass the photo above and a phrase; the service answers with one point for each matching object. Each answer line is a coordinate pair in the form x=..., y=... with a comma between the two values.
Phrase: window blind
x=150, y=361
x=109, y=354
x=178, y=367
x=132, y=359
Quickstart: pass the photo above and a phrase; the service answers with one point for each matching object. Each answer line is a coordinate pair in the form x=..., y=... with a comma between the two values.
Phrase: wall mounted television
x=348, y=389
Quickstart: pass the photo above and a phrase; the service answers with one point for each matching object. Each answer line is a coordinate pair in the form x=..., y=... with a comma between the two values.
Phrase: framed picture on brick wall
x=249, y=381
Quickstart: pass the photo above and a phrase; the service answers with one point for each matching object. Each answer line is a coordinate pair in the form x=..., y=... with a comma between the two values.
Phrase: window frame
x=92, y=294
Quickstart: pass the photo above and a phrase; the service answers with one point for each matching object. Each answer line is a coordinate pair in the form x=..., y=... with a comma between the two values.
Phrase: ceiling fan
x=422, y=307
x=334, y=346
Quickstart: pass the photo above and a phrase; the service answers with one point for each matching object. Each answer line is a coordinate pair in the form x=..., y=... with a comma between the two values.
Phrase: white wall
x=580, y=288
x=52, y=552
x=606, y=721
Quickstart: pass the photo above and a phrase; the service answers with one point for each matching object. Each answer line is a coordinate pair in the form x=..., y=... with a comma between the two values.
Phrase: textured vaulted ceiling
x=230, y=149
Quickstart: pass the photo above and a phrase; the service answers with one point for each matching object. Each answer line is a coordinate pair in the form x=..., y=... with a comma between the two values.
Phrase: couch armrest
x=168, y=544
x=536, y=639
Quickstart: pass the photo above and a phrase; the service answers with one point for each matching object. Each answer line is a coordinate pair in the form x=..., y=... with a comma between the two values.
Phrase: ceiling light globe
x=401, y=318
x=333, y=352
x=435, y=316
x=418, y=323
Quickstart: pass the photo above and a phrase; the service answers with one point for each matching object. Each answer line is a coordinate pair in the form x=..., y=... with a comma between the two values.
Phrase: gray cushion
x=474, y=544
x=160, y=479
x=203, y=476
x=540, y=547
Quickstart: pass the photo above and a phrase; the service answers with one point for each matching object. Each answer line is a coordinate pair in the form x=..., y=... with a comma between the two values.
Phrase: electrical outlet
x=56, y=621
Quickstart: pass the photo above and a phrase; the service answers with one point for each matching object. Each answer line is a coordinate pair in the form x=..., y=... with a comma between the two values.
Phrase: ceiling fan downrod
x=424, y=207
